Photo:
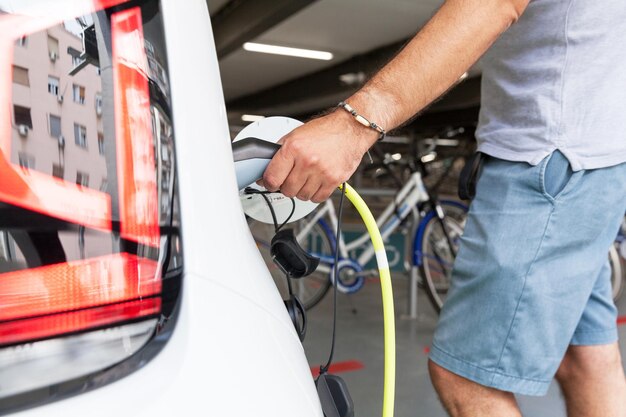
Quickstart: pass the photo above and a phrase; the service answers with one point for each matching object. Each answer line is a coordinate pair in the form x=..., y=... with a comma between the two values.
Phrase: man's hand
x=318, y=156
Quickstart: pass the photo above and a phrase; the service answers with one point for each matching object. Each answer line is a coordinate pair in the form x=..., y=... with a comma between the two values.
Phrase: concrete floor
x=360, y=343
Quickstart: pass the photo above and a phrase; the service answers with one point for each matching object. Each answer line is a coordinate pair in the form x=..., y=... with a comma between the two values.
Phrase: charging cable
x=324, y=368
x=249, y=169
x=389, y=387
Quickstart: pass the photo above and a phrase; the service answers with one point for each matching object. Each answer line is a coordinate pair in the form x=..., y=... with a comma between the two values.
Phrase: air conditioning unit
x=22, y=130
x=61, y=141
x=98, y=102
x=60, y=99
x=53, y=56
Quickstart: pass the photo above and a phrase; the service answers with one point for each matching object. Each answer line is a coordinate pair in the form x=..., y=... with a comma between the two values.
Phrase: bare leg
x=592, y=380
x=464, y=398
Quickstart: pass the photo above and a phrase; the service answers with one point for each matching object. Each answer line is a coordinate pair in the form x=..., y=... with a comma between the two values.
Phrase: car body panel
x=234, y=350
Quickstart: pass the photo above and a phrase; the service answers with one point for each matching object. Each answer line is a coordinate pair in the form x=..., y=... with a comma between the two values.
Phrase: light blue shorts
x=531, y=276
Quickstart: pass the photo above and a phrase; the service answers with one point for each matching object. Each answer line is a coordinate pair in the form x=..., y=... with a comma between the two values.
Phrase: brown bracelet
x=362, y=120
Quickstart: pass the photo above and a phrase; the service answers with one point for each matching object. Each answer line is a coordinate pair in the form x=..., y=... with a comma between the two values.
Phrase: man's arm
x=320, y=155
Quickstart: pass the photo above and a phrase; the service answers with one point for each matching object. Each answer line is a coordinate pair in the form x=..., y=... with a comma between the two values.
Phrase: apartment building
x=57, y=117
x=60, y=126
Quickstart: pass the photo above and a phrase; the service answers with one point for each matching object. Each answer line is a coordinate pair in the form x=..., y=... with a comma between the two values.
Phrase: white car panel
x=234, y=351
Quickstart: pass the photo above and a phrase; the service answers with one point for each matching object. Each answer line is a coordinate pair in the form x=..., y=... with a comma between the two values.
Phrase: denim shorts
x=532, y=274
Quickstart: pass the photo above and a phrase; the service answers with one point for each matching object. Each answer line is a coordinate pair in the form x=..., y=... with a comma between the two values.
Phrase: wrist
x=363, y=137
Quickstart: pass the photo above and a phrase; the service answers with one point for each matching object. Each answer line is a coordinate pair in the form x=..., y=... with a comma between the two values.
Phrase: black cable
x=293, y=210
x=289, y=286
x=269, y=204
x=324, y=369
x=263, y=194
x=277, y=228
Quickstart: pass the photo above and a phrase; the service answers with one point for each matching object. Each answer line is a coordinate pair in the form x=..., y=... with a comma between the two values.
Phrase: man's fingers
x=322, y=194
x=295, y=181
x=309, y=189
x=277, y=170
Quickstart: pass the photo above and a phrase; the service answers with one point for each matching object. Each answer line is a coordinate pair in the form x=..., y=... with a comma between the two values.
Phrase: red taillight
x=75, y=321
x=71, y=287
x=135, y=154
x=74, y=315
x=80, y=289
x=56, y=198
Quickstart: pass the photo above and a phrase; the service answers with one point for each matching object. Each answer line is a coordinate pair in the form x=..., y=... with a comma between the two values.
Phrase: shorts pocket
x=556, y=173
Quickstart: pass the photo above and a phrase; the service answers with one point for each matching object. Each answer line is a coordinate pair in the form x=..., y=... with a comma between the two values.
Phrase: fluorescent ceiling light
x=283, y=50
x=429, y=157
x=353, y=78
x=251, y=117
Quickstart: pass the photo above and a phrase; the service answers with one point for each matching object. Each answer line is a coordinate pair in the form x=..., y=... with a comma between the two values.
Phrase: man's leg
x=593, y=382
x=522, y=288
x=464, y=398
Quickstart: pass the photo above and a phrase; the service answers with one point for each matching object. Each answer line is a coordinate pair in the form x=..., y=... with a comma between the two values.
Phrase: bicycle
x=617, y=258
x=433, y=246
x=434, y=243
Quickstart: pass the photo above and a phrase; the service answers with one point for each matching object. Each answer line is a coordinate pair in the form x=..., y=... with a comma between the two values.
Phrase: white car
x=129, y=282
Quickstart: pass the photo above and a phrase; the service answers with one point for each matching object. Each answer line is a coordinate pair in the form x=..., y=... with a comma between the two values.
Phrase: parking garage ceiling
x=361, y=34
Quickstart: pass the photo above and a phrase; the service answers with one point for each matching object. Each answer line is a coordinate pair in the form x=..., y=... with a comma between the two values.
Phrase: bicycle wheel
x=617, y=279
x=318, y=242
x=435, y=257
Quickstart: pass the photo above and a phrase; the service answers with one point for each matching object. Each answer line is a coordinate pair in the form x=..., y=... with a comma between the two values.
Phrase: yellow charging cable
x=389, y=387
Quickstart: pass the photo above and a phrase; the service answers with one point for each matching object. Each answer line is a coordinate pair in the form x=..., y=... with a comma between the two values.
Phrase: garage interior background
x=362, y=35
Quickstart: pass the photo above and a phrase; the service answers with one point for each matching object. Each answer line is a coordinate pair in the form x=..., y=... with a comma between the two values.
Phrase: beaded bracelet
x=362, y=120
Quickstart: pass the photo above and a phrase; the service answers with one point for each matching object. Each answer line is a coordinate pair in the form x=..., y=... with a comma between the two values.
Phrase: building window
x=98, y=101
x=101, y=143
x=76, y=61
x=82, y=179
x=79, y=94
x=80, y=135
x=20, y=76
x=26, y=161
x=53, y=48
x=104, y=185
x=55, y=126
x=53, y=86
x=23, y=41
x=58, y=171
x=22, y=116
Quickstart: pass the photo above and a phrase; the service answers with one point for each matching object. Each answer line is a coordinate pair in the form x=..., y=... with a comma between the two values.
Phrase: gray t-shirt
x=556, y=79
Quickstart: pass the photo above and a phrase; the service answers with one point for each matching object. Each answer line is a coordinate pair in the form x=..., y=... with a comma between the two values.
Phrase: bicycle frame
x=621, y=236
x=403, y=204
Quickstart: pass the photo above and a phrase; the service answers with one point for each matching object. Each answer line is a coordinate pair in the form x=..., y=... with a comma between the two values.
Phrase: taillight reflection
x=67, y=295
x=66, y=317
